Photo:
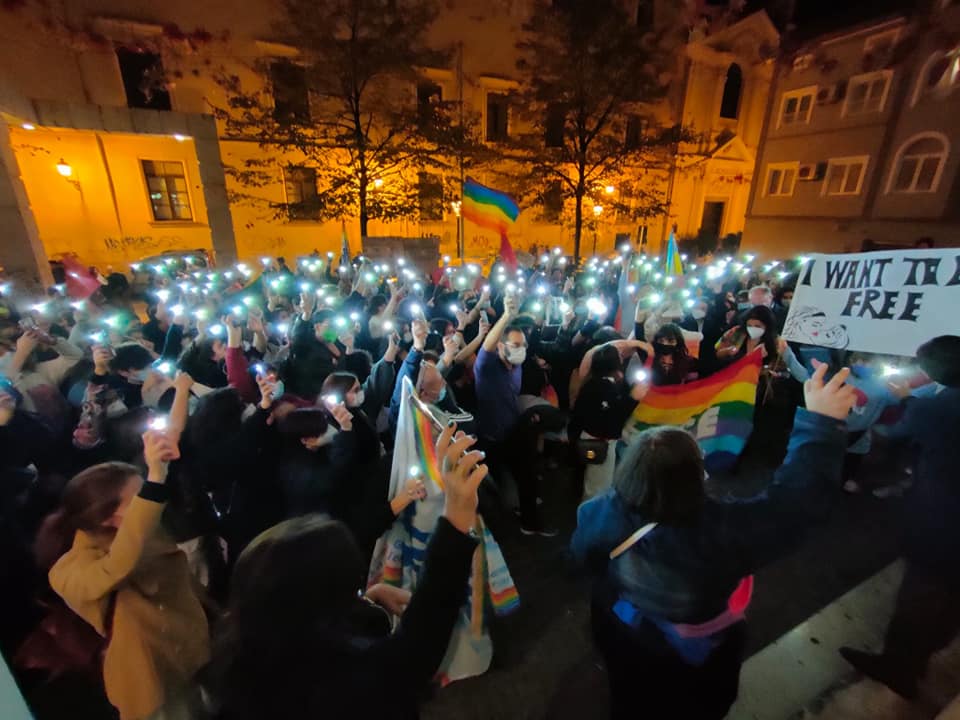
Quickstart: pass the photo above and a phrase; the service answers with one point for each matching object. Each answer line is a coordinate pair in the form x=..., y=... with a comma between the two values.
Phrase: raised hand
x=462, y=475
x=341, y=415
x=268, y=389
x=834, y=399
x=510, y=306
x=183, y=382
x=158, y=451
x=419, y=331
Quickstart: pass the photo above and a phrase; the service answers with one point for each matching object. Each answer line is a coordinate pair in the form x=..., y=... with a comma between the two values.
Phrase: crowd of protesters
x=195, y=473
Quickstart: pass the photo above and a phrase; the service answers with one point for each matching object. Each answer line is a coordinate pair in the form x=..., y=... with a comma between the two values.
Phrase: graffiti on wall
x=141, y=244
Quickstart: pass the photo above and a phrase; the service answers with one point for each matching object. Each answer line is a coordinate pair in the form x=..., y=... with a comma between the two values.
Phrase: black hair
x=769, y=320
x=605, y=361
x=940, y=359
x=288, y=625
x=681, y=358
x=359, y=362
x=339, y=383
x=375, y=303
x=661, y=476
x=130, y=356
x=511, y=328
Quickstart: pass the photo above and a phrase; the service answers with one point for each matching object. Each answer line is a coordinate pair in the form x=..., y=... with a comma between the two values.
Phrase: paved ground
x=545, y=666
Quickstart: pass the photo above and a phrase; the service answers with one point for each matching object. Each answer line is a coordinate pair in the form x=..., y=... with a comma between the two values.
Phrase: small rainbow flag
x=674, y=261
x=718, y=410
x=426, y=446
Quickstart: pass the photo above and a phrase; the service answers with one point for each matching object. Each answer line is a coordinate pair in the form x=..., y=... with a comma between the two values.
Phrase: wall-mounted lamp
x=29, y=126
x=180, y=138
x=63, y=167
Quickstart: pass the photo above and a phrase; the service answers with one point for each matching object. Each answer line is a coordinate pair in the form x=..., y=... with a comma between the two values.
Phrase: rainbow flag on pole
x=492, y=210
x=718, y=410
x=488, y=208
x=674, y=261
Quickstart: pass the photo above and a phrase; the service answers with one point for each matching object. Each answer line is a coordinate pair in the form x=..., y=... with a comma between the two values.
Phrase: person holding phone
x=121, y=573
x=295, y=643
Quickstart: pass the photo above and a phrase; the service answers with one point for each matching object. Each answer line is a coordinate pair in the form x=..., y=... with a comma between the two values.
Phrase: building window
x=430, y=191
x=867, y=93
x=498, y=115
x=781, y=179
x=143, y=79
x=939, y=76
x=291, y=98
x=167, y=188
x=796, y=106
x=732, y=88
x=429, y=97
x=633, y=137
x=300, y=184
x=919, y=164
x=556, y=122
x=845, y=176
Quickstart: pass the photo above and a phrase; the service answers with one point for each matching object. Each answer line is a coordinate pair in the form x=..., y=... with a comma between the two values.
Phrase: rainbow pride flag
x=674, y=266
x=717, y=410
x=399, y=554
x=488, y=208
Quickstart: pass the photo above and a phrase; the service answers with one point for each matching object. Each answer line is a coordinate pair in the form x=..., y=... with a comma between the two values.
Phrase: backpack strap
x=632, y=540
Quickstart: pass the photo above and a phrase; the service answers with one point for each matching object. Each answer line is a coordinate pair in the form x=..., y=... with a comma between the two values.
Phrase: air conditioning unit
x=831, y=93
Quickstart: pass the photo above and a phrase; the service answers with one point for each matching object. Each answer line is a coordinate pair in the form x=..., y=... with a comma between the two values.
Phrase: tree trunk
x=362, y=200
x=578, y=220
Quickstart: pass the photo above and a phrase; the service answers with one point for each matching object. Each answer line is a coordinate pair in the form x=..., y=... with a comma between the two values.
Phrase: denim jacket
x=686, y=574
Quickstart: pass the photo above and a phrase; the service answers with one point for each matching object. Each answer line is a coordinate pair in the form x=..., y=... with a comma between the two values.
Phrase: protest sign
x=880, y=302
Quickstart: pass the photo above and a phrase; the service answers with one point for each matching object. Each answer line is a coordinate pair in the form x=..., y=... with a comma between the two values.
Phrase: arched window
x=919, y=164
x=732, y=88
x=939, y=75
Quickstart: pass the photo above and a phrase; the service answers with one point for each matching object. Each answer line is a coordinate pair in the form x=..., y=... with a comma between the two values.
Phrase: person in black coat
x=927, y=613
x=298, y=642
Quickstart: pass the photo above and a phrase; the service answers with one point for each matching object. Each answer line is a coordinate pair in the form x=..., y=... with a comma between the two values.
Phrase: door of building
x=712, y=219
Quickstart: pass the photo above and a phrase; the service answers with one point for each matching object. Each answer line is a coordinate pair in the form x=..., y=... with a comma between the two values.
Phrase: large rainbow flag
x=492, y=210
x=399, y=553
x=718, y=410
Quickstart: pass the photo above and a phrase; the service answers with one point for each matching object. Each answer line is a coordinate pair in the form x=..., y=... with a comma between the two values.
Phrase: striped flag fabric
x=674, y=266
x=717, y=410
x=399, y=554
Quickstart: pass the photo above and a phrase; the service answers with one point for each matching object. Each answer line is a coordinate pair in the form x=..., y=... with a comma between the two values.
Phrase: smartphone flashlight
x=640, y=376
x=159, y=423
x=331, y=400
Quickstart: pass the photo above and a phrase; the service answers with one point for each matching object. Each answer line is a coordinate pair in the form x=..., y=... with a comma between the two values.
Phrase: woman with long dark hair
x=121, y=573
x=296, y=641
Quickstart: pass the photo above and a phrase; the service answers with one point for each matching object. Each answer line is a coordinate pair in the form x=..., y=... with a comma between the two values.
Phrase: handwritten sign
x=883, y=302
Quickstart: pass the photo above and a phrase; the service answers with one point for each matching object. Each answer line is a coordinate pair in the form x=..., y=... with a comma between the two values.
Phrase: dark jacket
x=310, y=362
x=932, y=518
x=686, y=574
x=356, y=675
x=602, y=408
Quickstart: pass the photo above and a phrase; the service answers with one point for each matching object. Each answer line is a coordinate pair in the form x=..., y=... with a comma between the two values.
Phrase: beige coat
x=159, y=636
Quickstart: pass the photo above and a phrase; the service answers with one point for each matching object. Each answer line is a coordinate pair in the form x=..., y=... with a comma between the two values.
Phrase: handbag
x=592, y=451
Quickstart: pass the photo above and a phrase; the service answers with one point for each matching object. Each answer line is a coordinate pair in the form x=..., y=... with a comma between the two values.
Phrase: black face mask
x=664, y=349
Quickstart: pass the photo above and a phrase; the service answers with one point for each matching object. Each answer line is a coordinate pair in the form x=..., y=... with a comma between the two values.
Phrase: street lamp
x=609, y=189
x=63, y=167
x=597, y=211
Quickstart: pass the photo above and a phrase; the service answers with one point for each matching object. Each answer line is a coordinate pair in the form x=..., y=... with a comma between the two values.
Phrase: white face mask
x=358, y=397
x=755, y=333
x=699, y=314
x=516, y=356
